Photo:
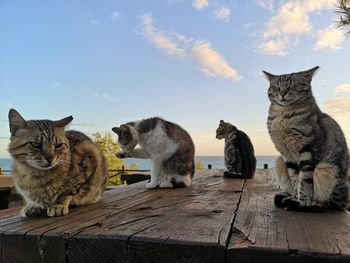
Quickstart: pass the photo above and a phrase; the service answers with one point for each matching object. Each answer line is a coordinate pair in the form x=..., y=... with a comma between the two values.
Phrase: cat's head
x=127, y=137
x=288, y=89
x=42, y=144
x=224, y=129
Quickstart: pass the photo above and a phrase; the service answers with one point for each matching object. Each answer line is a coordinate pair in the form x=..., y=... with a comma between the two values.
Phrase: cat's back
x=85, y=154
x=159, y=128
x=177, y=133
x=76, y=138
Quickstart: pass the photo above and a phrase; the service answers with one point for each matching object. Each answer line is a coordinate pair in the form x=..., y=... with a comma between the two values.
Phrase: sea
x=216, y=162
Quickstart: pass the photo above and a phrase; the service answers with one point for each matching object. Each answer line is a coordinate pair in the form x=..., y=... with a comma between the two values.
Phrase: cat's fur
x=169, y=147
x=313, y=168
x=54, y=168
x=240, y=161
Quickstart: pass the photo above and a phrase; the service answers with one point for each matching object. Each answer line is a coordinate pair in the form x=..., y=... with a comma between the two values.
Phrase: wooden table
x=216, y=220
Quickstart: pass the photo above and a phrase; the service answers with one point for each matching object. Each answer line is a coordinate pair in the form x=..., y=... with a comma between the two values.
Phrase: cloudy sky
x=193, y=62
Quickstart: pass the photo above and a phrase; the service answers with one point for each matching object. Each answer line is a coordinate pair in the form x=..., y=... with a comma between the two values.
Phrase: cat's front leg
x=306, y=182
x=60, y=208
x=30, y=211
x=155, y=174
x=287, y=174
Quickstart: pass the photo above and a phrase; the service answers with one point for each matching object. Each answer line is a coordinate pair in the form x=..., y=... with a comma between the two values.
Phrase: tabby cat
x=169, y=147
x=54, y=168
x=240, y=161
x=313, y=166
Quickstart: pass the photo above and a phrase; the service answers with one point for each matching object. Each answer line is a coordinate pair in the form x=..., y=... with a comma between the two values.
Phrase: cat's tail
x=230, y=174
x=248, y=157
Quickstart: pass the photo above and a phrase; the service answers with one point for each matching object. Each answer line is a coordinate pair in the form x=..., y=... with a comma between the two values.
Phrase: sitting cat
x=169, y=147
x=314, y=163
x=54, y=168
x=240, y=161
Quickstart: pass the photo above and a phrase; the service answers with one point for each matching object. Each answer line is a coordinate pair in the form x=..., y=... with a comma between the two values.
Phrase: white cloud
x=116, y=16
x=159, y=38
x=342, y=89
x=291, y=21
x=200, y=4
x=212, y=63
x=266, y=4
x=277, y=47
x=105, y=96
x=338, y=105
x=330, y=38
x=222, y=13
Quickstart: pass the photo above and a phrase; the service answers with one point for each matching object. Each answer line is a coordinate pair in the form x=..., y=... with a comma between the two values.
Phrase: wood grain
x=271, y=234
x=215, y=220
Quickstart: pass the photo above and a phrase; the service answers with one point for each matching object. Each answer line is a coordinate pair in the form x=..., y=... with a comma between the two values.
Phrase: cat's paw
x=285, y=201
x=151, y=185
x=120, y=155
x=30, y=211
x=166, y=185
x=57, y=210
x=289, y=203
x=305, y=203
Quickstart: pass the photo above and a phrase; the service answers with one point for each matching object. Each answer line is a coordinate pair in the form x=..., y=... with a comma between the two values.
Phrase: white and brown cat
x=169, y=147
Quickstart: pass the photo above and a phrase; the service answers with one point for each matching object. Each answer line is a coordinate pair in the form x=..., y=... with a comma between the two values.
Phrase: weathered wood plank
x=196, y=231
x=271, y=234
x=186, y=224
x=35, y=236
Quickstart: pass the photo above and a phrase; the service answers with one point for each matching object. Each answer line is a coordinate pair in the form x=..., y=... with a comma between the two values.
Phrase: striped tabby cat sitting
x=314, y=161
x=240, y=161
x=54, y=168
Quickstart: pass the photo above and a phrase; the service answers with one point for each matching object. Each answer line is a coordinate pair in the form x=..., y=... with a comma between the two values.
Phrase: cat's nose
x=49, y=158
x=283, y=93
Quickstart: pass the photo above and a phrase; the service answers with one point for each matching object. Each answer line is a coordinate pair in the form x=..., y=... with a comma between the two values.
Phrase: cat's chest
x=285, y=134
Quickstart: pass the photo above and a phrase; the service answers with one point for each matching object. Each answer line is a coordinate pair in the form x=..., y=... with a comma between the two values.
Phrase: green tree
x=199, y=165
x=343, y=8
x=109, y=147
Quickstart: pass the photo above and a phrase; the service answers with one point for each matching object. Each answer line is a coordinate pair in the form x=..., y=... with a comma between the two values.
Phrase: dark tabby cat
x=240, y=161
x=54, y=168
x=169, y=147
x=313, y=168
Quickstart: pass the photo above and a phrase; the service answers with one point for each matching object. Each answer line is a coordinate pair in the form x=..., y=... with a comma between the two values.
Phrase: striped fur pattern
x=313, y=167
x=169, y=147
x=240, y=161
x=54, y=168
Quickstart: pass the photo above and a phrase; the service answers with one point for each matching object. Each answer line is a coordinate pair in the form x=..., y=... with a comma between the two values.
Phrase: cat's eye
x=58, y=145
x=35, y=144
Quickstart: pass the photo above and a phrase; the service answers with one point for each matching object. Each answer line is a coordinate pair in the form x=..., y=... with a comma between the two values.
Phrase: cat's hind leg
x=327, y=189
x=181, y=180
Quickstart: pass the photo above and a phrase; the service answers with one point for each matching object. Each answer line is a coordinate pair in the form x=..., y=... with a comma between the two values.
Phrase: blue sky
x=192, y=62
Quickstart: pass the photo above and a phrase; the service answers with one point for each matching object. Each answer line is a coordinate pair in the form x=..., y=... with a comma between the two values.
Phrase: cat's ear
x=63, y=122
x=269, y=76
x=221, y=122
x=124, y=128
x=116, y=130
x=16, y=121
x=308, y=74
